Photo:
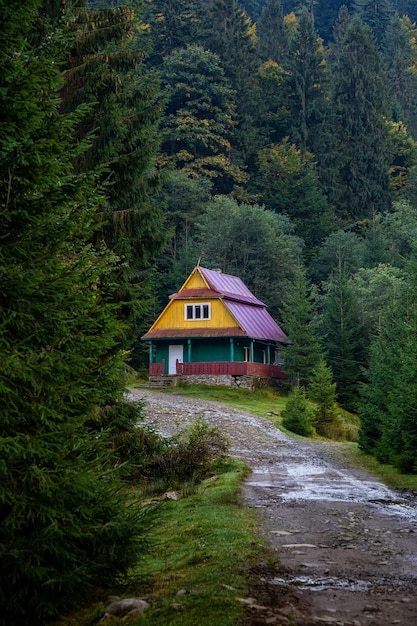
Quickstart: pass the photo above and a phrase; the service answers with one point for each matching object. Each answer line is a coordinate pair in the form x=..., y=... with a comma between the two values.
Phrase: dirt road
x=345, y=545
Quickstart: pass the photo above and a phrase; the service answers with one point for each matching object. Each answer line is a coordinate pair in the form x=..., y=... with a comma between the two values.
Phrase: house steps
x=161, y=382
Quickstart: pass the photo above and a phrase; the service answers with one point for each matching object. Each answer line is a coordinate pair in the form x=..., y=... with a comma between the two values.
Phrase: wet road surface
x=344, y=544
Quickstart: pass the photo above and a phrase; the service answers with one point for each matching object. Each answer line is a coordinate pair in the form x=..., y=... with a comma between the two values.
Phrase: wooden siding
x=233, y=369
x=195, y=280
x=174, y=317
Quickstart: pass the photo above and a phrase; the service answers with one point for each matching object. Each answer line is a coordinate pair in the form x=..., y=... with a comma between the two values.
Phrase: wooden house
x=215, y=331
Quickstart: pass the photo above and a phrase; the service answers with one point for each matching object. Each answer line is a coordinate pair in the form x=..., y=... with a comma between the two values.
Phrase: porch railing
x=240, y=368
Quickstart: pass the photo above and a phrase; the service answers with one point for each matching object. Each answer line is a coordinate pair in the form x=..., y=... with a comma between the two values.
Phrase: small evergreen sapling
x=322, y=391
x=298, y=415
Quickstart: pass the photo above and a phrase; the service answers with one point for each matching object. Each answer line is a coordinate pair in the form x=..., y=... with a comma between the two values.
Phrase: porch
x=216, y=368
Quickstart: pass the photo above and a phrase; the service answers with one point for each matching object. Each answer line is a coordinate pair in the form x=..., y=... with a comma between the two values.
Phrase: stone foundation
x=227, y=380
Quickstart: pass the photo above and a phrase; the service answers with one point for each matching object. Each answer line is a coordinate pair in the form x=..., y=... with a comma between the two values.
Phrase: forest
x=274, y=140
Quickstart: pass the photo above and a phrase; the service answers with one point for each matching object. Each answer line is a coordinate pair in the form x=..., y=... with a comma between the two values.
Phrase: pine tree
x=105, y=71
x=307, y=88
x=322, y=391
x=298, y=415
x=299, y=321
x=360, y=150
x=272, y=33
x=375, y=13
x=342, y=337
x=227, y=31
x=64, y=525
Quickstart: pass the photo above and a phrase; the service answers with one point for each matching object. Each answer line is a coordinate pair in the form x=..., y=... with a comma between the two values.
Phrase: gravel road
x=344, y=544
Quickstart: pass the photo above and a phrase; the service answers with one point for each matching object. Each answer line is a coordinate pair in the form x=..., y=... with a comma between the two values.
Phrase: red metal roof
x=256, y=321
x=196, y=292
x=229, y=286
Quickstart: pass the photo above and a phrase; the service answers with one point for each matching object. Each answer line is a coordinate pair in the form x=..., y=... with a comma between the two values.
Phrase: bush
x=298, y=415
x=189, y=455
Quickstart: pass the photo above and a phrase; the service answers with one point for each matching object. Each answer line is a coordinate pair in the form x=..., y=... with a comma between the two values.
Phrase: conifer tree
x=229, y=32
x=307, y=88
x=299, y=321
x=322, y=391
x=388, y=400
x=375, y=13
x=199, y=117
x=342, y=335
x=64, y=525
x=272, y=33
x=105, y=70
x=360, y=153
x=400, y=54
x=298, y=415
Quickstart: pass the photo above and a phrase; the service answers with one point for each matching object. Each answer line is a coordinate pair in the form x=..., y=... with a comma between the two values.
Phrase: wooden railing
x=240, y=368
x=157, y=369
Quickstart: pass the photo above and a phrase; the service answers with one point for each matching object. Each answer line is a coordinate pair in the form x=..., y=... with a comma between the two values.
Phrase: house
x=215, y=331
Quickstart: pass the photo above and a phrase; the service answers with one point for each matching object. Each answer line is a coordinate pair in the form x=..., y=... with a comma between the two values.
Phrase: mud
x=343, y=544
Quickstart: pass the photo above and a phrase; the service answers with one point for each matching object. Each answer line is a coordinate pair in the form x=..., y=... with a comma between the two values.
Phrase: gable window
x=197, y=311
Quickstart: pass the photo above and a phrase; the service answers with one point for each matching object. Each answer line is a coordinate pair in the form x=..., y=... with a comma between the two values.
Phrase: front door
x=175, y=352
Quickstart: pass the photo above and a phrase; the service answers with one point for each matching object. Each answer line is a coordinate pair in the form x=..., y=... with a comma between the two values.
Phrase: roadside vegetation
x=199, y=542
x=270, y=403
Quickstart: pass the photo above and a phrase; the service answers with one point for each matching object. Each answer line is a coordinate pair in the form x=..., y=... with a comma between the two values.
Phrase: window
x=246, y=353
x=197, y=311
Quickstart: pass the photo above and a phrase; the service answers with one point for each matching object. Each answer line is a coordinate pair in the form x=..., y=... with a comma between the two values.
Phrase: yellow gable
x=174, y=315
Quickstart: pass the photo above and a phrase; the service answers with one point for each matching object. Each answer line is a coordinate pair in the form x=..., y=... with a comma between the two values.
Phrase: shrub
x=298, y=415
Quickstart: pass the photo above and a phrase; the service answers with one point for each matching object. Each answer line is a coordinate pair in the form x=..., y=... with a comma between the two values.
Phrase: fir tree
x=343, y=339
x=322, y=391
x=307, y=88
x=64, y=525
x=299, y=321
x=360, y=150
x=298, y=415
x=105, y=71
x=272, y=33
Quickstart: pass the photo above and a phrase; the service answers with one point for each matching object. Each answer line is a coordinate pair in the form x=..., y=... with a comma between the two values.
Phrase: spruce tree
x=387, y=408
x=342, y=337
x=375, y=13
x=298, y=415
x=105, y=70
x=322, y=391
x=272, y=33
x=227, y=31
x=299, y=322
x=306, y=84
x=64, y=525
x=360, y=152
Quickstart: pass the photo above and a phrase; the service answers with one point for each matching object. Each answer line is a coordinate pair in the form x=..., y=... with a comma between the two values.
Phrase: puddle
x=323, y=583
x=301, y=481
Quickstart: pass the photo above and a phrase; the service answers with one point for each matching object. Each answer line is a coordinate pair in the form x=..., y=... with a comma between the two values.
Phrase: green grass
x=269, y=403
x=264, y=402
x=202, y=544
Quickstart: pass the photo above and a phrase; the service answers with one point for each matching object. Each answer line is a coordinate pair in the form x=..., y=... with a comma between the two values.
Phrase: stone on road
x=345, y=544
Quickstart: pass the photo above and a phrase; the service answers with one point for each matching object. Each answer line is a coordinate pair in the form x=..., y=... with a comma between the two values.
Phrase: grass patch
x=265, y=402
x=202, y=547
x=352, y=455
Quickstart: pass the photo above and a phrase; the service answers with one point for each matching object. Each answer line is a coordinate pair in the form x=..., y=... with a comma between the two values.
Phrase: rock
x=126, y=606
x=171, y=495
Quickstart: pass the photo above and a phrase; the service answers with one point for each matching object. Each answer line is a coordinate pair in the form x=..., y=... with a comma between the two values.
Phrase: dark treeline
x=288, y=137
x=276, y=141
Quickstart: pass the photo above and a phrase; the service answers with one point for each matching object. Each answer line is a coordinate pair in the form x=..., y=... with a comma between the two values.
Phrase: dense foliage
x=274, y=140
